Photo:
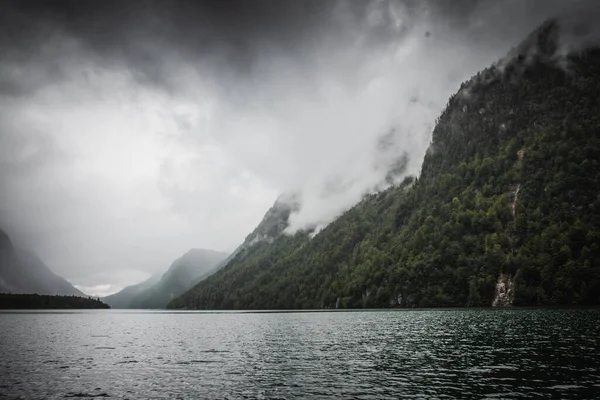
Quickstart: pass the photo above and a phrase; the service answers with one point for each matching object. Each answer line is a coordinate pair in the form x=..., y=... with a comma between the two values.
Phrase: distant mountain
x=158, y=291
x=270, y=228
x=123, y=298
x=22, y=271
x=506, y=210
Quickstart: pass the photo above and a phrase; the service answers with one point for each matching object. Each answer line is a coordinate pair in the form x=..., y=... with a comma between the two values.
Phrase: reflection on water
x=500, y=353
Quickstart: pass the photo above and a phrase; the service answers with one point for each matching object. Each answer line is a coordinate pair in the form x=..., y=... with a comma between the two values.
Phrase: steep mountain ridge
x=506, y=209
x=22, y=271
x=271, y=227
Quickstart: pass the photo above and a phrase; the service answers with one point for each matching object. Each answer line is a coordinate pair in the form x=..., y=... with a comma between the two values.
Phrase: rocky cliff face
x=505, y=286
x=505, y=291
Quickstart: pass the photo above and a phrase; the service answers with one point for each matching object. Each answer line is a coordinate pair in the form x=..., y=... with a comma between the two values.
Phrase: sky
x=133, y=131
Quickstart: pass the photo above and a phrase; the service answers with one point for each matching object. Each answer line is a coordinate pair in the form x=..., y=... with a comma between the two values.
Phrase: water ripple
x=363, y=355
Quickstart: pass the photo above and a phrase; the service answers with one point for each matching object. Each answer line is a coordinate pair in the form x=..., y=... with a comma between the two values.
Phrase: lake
x=470, y=353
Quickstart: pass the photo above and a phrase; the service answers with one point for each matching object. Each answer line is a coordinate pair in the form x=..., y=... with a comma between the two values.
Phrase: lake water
x=495, y=353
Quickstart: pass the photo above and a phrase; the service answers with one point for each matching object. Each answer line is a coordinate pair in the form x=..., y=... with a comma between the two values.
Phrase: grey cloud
x=229, y=39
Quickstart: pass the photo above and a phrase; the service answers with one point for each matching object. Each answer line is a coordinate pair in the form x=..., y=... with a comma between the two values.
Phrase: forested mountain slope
x=506, y=209
x=190, y=269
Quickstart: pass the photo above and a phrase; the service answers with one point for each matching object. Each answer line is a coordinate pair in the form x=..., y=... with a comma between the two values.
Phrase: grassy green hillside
x=508, y=197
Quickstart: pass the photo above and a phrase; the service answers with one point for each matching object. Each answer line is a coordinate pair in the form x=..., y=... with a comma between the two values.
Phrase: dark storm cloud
x=142, y=34
x=230, y=36
x=147, y=36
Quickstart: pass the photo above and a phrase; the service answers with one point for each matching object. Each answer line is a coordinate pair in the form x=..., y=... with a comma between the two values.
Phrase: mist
x=130, y=133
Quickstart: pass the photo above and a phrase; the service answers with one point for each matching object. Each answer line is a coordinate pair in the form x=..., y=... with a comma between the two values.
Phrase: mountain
x=268, y=231
x=123, y=298
x=270, y=227
x=22, y=271
x=506, y=209
x=183, y=273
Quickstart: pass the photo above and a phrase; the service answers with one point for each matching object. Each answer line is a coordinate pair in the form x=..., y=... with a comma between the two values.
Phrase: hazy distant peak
x=194, y=261
x=183, y=272
x=22, y=271
x=202, y=252
x=196, y=256
x=5, y=242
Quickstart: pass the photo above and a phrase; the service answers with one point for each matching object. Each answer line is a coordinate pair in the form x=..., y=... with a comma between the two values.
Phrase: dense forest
x=37, y=301
x=508, y=196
